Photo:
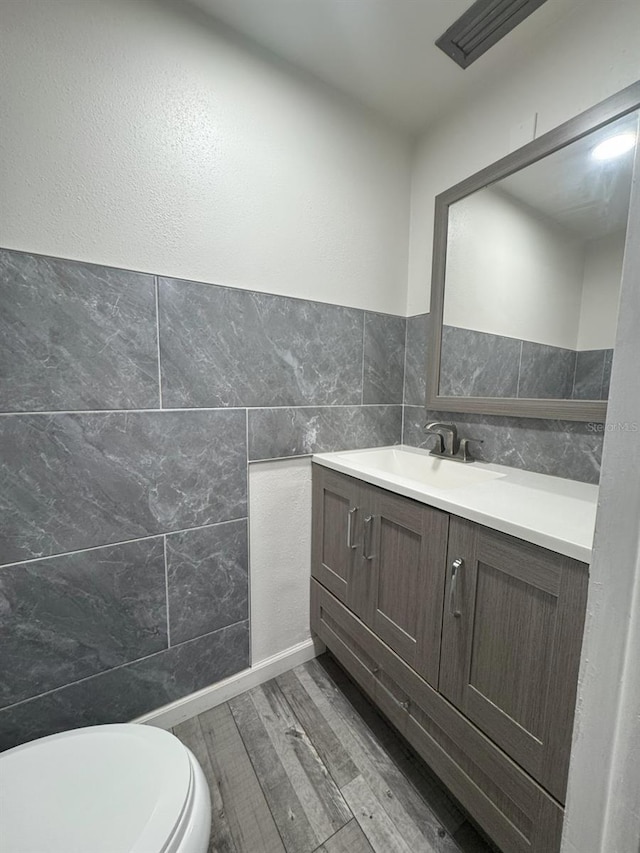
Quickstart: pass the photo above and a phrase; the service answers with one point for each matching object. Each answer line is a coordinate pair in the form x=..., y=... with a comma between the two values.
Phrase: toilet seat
x=105, y=789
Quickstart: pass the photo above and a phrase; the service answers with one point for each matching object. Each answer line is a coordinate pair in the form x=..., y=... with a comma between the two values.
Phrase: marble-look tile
x=606, y=378
x=477, y=364
x=384, y=337
x=587, y=383
x=75, y=336
x=226, y=347
x=122, y=694
x=69, y=617
x=295, y=432
x=560, y=448
x=413, y=423
x=74, y=481
x=207, y=571
x=415, y=377
x=546, y=372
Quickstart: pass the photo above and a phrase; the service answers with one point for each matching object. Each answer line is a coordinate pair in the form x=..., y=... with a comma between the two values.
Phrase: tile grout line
x=119, y=666
x=248, y=534
x=157, y=290
x=519, y=369
x=575, y=373
x=404, y=377
x=364, y=325
x=604, y=366
x=166, y=587
x=164, y=411
x=122, y=542
x=313, y=453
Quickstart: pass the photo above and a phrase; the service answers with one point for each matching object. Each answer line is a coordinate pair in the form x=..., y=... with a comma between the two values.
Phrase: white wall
x=603, y=797
x=538, y=282
x=572, y=67
x=601, y=291
x=280, y=545
x=137, y=137
x=527, y=284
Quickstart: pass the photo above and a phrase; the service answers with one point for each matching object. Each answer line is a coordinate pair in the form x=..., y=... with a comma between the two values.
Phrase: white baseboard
x=207, y=698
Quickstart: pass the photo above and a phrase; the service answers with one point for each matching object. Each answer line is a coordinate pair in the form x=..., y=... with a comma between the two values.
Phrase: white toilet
x=104, y=789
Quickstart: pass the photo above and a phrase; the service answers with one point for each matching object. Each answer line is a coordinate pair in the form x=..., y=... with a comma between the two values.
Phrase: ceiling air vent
x=481, y=26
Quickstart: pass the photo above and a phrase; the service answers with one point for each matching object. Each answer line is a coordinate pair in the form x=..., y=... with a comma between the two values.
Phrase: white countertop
x=549, y=511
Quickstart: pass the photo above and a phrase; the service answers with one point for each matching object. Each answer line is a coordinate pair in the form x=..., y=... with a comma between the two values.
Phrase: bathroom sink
x=548, y=511
x=420, y=467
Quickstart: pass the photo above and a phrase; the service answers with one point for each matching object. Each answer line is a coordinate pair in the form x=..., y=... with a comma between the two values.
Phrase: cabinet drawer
x=512, y=808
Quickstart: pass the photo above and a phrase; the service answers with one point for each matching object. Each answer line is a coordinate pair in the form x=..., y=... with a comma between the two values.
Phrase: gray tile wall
x=560, y=448
x=130, y=406
x=123, y=472
x=479, y=364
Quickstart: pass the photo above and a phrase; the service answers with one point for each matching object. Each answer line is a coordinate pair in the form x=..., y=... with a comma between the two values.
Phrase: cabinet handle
x=455, y=568
x=350, y=515
x=366, y=545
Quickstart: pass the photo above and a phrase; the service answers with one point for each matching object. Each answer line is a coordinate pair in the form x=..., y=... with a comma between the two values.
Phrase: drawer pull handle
x=375, y=670
x=366, y=545
x=350, y=515
x=405, y=705
x=455, y=568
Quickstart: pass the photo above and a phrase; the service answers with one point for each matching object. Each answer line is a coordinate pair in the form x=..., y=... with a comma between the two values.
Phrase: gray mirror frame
x=617, y=106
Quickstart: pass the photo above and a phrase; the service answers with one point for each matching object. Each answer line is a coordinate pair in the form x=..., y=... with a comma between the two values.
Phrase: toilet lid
x=104, y=789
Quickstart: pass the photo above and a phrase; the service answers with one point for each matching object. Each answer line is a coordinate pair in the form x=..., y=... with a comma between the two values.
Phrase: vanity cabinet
x=511, y=639
x=384, y=557
x=466, y=638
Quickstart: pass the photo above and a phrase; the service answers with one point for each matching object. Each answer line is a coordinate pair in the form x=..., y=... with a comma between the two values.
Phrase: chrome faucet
x=448, y=438
x=449, y=445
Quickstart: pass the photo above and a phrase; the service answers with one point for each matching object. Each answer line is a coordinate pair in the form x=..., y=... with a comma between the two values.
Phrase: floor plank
x=453, y=820
x=380, y=830
x=425, y=782
x=250, y=820
x=402, y=802
x=289, y=761
x=329, y=748
x=288, y=811
x=320, y=795
x=349, y=839
x=190, y=733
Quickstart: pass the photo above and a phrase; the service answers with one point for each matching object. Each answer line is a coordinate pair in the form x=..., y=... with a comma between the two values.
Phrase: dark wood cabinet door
x=405, y=545
x=511, y=640
x=335, y=532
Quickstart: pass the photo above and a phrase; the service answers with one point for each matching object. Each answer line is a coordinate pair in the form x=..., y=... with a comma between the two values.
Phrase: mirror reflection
x=533, y=269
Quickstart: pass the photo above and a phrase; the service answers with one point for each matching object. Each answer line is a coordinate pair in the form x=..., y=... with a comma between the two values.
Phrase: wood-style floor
x=304, y=764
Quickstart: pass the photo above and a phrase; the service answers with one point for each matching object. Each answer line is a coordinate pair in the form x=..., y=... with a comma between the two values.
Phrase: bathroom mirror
x=526, y=277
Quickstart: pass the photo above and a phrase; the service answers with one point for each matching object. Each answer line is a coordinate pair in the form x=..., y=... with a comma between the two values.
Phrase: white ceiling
x=382, y=52
x=587, y=197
